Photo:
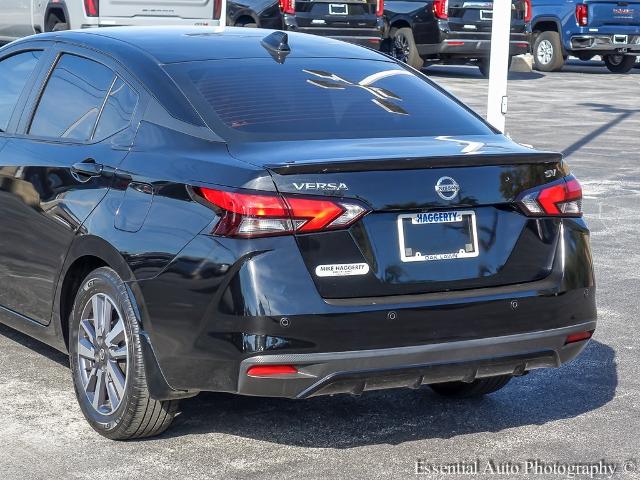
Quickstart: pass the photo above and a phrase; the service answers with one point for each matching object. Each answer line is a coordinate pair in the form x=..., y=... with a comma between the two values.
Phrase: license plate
x=338, y=9
x=430, y=236
x=486, y=14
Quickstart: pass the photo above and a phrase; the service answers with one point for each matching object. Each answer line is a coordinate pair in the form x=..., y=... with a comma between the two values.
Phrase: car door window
x=72, y=99
x=118, y=110
x=14, y=73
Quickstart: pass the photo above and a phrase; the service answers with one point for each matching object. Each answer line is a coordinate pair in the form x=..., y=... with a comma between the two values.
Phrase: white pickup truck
x=19, y=18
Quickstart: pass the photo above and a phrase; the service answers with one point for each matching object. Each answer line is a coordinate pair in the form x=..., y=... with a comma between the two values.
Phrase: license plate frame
x=338, y=9
x=417, y=220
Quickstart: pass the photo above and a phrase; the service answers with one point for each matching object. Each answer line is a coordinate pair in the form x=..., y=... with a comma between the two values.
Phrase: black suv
x=355, y=21
x=450, y=31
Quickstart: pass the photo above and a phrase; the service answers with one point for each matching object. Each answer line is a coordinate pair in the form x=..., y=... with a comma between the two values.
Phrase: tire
x=248, y=25
x=477, y=388
x=60, y=27
x=55, y=23
x=483, y=66
x=619, y=63
x=403, y=47
x=122, y=408
x=547, y=52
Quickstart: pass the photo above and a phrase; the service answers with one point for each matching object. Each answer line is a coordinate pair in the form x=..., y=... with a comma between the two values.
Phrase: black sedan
x=247, y=211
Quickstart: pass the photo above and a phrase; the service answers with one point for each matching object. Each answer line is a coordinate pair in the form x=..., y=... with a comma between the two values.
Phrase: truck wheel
x=477, y=388
x=107, y=366
x=59, y=27
x=547, y=52
x=483, y=65
x=619, y=63
x=403, y=47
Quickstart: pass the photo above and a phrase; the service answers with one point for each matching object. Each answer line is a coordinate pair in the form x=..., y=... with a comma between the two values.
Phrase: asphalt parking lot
x=585, y=412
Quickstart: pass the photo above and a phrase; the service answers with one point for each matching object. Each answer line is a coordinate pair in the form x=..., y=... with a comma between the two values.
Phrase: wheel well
x=244, y=19
x=57, y=12
x=400, y=24
x=76, y=273
x=545, y=26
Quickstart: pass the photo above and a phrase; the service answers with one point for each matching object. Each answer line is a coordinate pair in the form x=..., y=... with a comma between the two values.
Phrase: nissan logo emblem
x=447, y=188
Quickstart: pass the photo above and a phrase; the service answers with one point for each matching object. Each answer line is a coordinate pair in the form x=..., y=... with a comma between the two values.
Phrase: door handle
x=87, y=169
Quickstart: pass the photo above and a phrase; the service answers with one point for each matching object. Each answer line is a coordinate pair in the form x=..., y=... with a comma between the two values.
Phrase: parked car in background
x=354, y=21
x=19, y=18
x=584, y=29
x=449, y=31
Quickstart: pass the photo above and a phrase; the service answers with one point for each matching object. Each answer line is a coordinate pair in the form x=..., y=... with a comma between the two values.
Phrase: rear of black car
x=354, y=21
x=465, y=26
x=451, y=30
x=398, y=241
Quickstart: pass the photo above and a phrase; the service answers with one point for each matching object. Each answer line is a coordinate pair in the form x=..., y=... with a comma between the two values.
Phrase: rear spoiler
x=475, y=160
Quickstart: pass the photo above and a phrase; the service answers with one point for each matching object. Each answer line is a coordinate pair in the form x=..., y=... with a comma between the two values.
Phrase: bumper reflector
x=271, y=370
x=578, y=337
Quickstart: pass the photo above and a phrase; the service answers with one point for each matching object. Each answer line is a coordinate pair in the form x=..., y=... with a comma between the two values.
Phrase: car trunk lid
x=417, y=221
x=612, y=13
x=476, y=16
x=335, y=14
x=187, y=9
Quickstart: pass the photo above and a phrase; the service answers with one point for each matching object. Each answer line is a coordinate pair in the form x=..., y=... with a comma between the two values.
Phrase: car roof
x=170, y=44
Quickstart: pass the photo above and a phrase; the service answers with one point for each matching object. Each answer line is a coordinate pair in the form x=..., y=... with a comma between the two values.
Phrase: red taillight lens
x=527, y=10
x=251, y=215
x=287, y=6
x=217, y=9
x=92, y=8
x=582, y=15
x=578, y=337
x=271, y=370
x=562, y=198
x=441, y=9
x=379, y=8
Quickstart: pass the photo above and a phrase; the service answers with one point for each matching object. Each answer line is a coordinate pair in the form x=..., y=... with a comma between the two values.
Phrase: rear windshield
x=319, y=98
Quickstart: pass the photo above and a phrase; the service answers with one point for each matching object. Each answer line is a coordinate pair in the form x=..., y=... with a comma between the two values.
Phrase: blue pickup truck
x=584, y=29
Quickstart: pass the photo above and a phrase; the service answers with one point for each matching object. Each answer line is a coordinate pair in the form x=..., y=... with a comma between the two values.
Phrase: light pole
x=499, y=63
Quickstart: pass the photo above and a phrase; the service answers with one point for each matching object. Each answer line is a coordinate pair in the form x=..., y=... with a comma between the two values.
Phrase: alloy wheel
x=616, y=59
x=400, y=49
x=545, y=52
x=103, y=354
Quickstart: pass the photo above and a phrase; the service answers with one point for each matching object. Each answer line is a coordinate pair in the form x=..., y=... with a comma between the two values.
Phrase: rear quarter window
x=319, y=98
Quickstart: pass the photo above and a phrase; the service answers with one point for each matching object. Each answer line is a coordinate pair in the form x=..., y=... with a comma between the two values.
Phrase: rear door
x=476, y=16
x=55, y=170
x=614, y=14
x=186, y=9
x=336, y=14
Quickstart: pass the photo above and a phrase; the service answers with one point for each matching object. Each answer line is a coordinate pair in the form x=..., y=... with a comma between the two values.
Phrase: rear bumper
x=150, y=21
x=221, y=306
x=597, y=44
x=471, y=45
x=368, y=37
x=357, y=371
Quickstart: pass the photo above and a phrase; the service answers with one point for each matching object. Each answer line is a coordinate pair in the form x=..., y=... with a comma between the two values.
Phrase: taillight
x=582, y=15
x=251, y=215
x=92, y=8
x=271, y=370
x=527, y=10
x=287, y=6
x=578, y=337
x=379, y=8
x=217, y=9
x=562, y=198
x=441, y=9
